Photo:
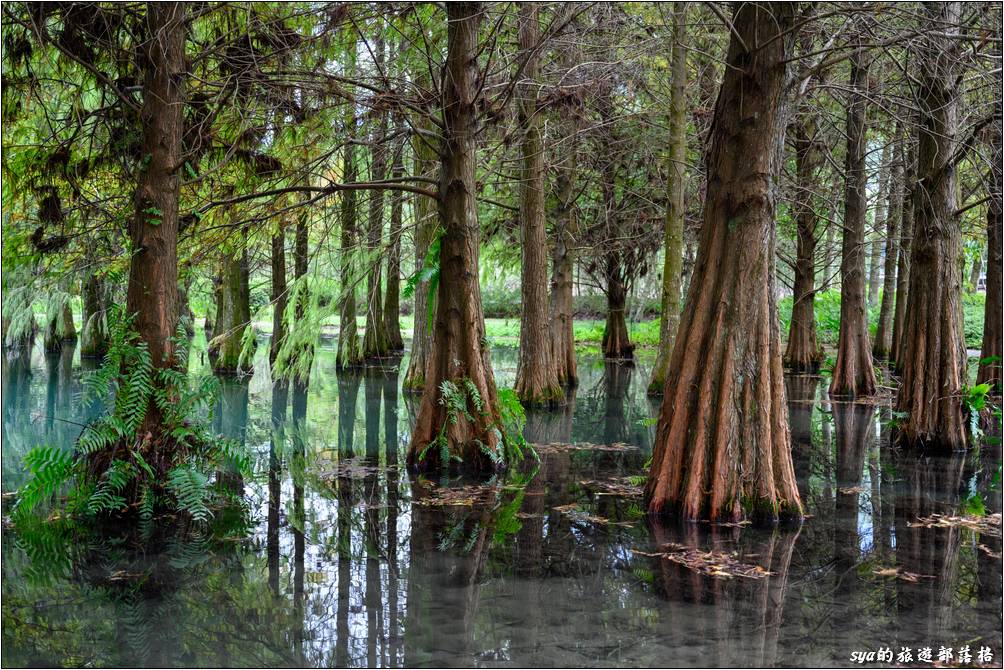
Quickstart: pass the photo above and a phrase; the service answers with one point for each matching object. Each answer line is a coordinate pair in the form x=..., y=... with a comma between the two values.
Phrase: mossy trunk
x=882, y=346
x=803, y=353
x=426, y=227
x=93, y=318
x=349, y=353
x=993, y=327
x=152, y=294
x=536, y=376
x=376, y=343
x=934, y=352
x=722, y=448
x=853, y=373
x=616, y=341
x=278, y=295
x=60, y=331
x=672, y=266
x=233, y=314
x=392, y=301
x=460, y=353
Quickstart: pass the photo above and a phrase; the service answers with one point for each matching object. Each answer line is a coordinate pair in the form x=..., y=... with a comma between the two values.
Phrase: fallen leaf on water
x=986, y=525
x=712, y=563
x=851, y=490
x=900, y=574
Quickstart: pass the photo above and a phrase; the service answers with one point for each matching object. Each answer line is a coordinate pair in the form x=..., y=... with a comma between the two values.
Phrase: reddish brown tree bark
x=905, y=248
x=722, y=447
x=803, y=353
x=853, y=373
x=152, y=295
x=460, y=349
x=934, y=353
x=536, y=377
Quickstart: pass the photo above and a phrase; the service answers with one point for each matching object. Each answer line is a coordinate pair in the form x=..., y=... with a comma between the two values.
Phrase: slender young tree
x=934, y=353
x=722, y=447
x=349, y=354
x=392, y=299
x=993, y=319
x=672, y=267
x=880, y=222
x=882, y=346
x=460, y=353
x=803, y=353
x=853, y=373
x=536, y=377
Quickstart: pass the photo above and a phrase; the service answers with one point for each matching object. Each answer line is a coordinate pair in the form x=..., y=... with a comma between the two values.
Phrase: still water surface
x=348, y=564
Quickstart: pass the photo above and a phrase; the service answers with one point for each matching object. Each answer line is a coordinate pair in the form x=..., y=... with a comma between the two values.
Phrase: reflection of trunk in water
x=299, y=408
x=853, y=425
x=444, y=581
x=744, y=609
x=280, y=397
x=801, y=393
x=616, y=381
x=348, y=393
x=989, y=566
x=928, y=486
x=390, y=399
x=231, y=421
x=545, y=426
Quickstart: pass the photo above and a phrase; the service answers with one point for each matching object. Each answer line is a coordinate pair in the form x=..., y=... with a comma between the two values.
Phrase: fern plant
x=116, y=466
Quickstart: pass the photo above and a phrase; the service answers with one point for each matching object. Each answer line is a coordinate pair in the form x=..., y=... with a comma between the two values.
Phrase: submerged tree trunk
x=905, y=249
x=616, y=342
x=376, y=343
x=880, y=222
x=460, y=353
x=349, y=354
x=152, y=295
x=562, y=305
x=993, y=327
x=934, y=353
x=426, y=227
x=722, y=447
x=233, y=313
x=60, y=331
x=536, y=377
x=803, y=353
x=392, y=302
x=278, y=295
x=93, y=318
x=882, y=346
x=853, y=373
x=675, y=207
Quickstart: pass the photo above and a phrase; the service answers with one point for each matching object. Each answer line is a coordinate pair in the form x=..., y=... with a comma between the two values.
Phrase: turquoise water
x=349, y=561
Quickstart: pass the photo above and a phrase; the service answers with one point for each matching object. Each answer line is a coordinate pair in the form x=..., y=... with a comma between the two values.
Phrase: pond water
x=349, y=561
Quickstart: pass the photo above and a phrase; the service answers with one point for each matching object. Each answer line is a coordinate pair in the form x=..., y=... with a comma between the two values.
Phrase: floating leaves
x=716, y=564
x=355, y=468
x=467, y=496
x=900, y=573
x=623, y=487
x=576, y=513
x=985, y=525
x=556, y=447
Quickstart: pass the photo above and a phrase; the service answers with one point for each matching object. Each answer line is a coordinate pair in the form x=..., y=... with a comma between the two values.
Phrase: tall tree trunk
x=392, y=302
x=934, y=353
x=93, y=318
x=301, y=258
x=880, y=222
x=993, y=327
x=803, y=353
x=460, y=353
x=376, y=343
x=233, y=313
x=536, y=377
x=905, y=249
x=975, y=270
x=562, y=305
x=853, y=374
x=60, y=331
x=675, y=206
x=616, y=341
x=882, y=346
x=152, y=295
x=349, y=354
x=426, y=227
x=279, y=298
x=722, y=447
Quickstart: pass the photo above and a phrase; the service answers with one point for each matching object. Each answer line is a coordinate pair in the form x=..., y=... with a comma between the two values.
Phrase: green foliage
x=428, y=273
x=116, y=466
